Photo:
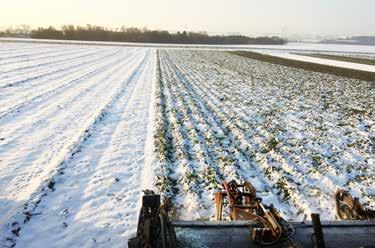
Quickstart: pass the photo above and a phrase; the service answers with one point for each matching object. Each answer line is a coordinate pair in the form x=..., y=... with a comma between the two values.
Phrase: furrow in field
x=57, y=49
x=300, y=183
x=28, y=65
x=7, y=66
x=296, y=168
x=214, y=158
x=12, y=47
x=164, y=148
x=37, y=51
x=286, y=178
x=14, y=126
x=237, y=126
x=15, y=98
x=186, y=162
x=274, y=179
x=237, y=151
x=20, y=48
x=217, y=135
x=19, y=76
x=226, y=156
x=202, y=130
x=49, y=143
x=57, y=96
x=100, y=188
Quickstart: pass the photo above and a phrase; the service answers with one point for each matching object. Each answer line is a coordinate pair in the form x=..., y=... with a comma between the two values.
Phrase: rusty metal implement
x=349, y=208
x=244, y=204
x=154, y=228
x=252, y=224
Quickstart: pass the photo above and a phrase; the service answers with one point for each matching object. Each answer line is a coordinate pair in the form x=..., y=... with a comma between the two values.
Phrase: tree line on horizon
x=136, y=35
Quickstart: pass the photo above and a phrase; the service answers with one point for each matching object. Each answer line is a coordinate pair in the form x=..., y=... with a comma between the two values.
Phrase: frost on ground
x=74, y=145
x=83, y=129
x=322, y=61
x=296, y=135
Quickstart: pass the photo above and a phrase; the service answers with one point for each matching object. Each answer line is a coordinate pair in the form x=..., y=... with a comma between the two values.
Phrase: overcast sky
x=326, y=17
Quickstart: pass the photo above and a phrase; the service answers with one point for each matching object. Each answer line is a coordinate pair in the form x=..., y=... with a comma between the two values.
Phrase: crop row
x=296, y=135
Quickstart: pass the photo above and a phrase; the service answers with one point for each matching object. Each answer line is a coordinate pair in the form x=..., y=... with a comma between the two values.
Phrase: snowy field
x=331, y=62
x=83, y=129
x=292, y=47
x=74, y=125
x=298, y=136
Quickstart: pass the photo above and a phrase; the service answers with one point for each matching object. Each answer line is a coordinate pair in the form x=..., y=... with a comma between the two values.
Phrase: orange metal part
x=245, y=205
x=349, y=208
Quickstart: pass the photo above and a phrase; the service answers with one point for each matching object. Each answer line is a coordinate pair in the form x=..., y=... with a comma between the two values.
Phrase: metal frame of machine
x=154, y=228
x=262, y=223
x=245, y=205
x=349, y=208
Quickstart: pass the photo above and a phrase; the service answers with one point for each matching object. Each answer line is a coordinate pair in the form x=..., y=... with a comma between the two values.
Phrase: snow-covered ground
x=316, y=47
x=349, y=65
x=298, y=136
x=75, y=129
x=285, y=51
x=83, y=129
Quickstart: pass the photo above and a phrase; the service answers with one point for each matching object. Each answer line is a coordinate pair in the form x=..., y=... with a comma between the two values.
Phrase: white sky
x=336, y=17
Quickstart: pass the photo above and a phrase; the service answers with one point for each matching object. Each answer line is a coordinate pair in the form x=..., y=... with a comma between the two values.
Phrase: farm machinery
x=349, y=208
x=253, y=224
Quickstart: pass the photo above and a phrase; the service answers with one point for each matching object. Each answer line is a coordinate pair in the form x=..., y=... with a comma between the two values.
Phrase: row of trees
x=16, y=31
x=97, y=33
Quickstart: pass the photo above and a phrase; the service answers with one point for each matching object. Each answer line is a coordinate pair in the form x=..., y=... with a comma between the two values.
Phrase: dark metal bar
x=243, y=223
x=318, y=236
x=214, y=224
